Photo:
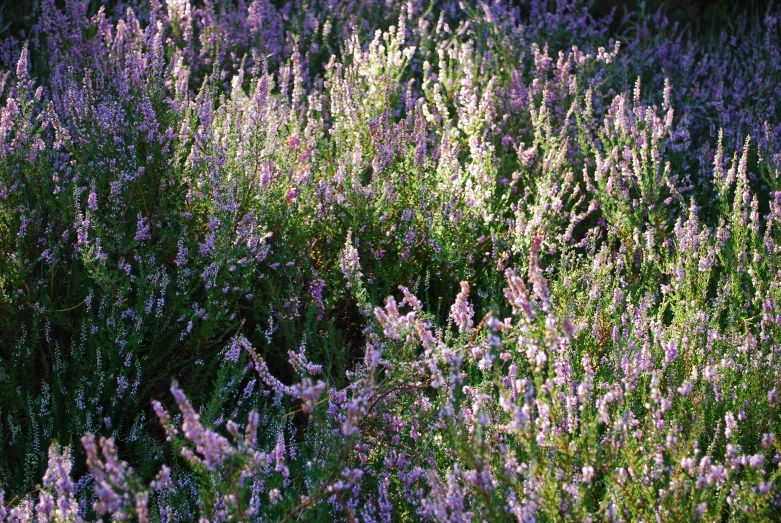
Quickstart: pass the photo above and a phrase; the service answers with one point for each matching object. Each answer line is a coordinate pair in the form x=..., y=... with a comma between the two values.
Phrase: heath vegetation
x=342, y=260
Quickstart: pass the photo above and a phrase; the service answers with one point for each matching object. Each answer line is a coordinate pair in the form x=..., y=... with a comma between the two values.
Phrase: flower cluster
x=438, y=261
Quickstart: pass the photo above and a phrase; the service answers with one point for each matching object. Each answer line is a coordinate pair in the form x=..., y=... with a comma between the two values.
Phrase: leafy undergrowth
x=355, y=261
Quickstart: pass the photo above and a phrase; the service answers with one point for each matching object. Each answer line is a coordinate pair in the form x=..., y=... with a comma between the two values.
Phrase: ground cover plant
x=333, y=260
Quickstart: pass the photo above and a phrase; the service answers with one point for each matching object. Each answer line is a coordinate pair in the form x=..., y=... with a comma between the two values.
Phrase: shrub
x=444, y=261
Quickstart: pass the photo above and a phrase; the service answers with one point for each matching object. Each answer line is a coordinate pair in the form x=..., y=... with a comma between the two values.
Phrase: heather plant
x=443, y=261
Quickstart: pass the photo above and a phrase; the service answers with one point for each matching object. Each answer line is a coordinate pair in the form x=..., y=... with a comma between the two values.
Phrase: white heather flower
x=588, y=474
x=730, y=424
x=349, y=261
x=685, y=389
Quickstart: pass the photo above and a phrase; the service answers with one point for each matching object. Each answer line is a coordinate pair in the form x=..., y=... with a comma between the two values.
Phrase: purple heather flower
x=142, y=229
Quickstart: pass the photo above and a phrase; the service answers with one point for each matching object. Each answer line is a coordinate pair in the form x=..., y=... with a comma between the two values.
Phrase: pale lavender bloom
x=588, y=474
x=756, y=461
x=670, y=351
x=462, y=311
x=142, y=506
x=685, y=389
x=349, y=261
x=301, y=363
x=772, y=398
x=233, y=351
x=730, y=425
x=57, y=477
x=181, y=254
x=539, y=283
x=110, y=474
x=142, y=229
x=23, y=227
x=279, y=454
x=45, y=505
x=262, y=369
x=350, y=425
x=22, y=513
x=394, y=325
x=224, y=148
x=410, y=299
x=517, y=295
x=22, y=67
x=213, y=447
x=309, y=393
x=316, y=291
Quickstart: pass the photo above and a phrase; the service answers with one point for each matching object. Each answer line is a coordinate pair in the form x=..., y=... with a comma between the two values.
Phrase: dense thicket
x=380, y=261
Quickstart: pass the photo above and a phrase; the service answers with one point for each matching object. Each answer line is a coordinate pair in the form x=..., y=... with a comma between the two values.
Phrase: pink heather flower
x=142, y=507
x=265, y=375
x=213, y=447
x=179, y=11
x=82, y=233
x=165, y=419
x=45, y=505
x=22, y=513
x=462, y=311
x=181, y=254
x=772, y=398
x=279, y=453
x=350, y=425
x=730, y=425
x=349, y=261
x=265, y=174
x=517, y=295
x=110, y=475
x=670, y=351
x=23, y=227
x=92, y=201
x=410, y=299
x=309, y=393
x=394, y=325
x=301, y=363
x=539, y=283
x=688, y=464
